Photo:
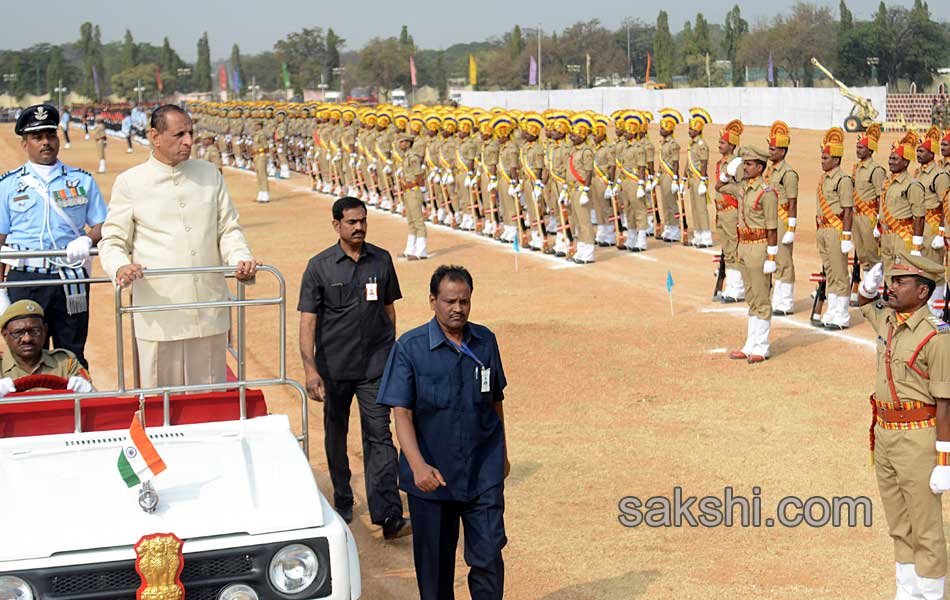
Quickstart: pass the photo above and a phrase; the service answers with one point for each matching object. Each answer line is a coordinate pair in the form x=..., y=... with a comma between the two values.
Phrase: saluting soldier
x=757, y=231
x=784, y=180
x=727, y=218
x=697, y=161
x=100, y=137
x=868, y=179
x=669, y=177
x=46, y=205
x=833, y=221
x=910, y=439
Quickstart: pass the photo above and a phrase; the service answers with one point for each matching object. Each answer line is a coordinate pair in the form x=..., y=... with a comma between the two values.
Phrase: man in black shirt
x=347, y=328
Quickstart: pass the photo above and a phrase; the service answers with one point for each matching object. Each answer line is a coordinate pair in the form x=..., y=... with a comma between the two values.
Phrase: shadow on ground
x=624, y=587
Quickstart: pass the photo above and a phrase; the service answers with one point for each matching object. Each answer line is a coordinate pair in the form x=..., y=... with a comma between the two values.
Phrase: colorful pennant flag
x=533, y=72
x=138, y=458
x=472, y=70
x=286, y=74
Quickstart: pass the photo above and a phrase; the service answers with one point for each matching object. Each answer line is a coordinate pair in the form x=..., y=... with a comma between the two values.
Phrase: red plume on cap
x=931, y=141
x=906, y=146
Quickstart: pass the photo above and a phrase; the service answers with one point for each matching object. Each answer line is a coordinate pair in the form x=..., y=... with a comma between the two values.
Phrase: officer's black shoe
x=346, y=513
x=781, y=313
x=396, y=527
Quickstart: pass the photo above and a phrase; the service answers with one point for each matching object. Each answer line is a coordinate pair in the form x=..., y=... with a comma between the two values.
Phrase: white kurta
x=162, y=217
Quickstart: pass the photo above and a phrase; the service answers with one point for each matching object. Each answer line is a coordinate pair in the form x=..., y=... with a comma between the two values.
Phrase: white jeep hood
x=63, y=493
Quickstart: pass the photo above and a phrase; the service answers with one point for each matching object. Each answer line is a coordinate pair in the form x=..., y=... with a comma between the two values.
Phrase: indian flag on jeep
x=139, y=459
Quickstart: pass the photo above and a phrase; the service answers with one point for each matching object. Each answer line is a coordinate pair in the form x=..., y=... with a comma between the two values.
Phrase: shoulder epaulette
x=8, y=173
x=83, y=171
x=938, y=324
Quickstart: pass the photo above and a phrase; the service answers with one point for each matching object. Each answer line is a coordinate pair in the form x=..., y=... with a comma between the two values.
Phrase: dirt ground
x=609, y=396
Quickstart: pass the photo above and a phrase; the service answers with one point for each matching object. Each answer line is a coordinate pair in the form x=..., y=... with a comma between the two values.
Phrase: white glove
x=6, y=386
x=674, y=189
x=79, y=384
x=876, y=231
x=940, y=479
x=468, y=181
x=640, y=192
x=78, y=249
x=724, y=177
x=872, y=281
x=584, y=199
x=701, y=188
x=537, y=192
x=389, y=167
x=511, y=190
x=608, y=193
x=847, y=246
x=562, y=198
x=399, y=172
x=449, y=178
x=768, y=267
x=492, y=184
x=733, y=167
x=4, y=300
x=917, y=241
x=938, y=242
x=789, y=238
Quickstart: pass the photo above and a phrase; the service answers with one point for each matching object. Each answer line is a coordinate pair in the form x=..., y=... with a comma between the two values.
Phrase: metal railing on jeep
x=236, y=304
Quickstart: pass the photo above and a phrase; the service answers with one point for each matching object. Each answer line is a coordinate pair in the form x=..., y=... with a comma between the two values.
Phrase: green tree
x=125, y=82
x=441, y=79
x=202, y=73
x=385, y=62
x=696, y=48
x=734, y=29
x=663, y=49
x=304, y=52
x=334, y=43
x=56, y=70
x=130, y=53
x=515, y=43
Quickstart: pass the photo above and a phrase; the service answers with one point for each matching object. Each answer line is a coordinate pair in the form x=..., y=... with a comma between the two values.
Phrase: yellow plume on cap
x=833, y=142
x=778, y=135
x=732, y=131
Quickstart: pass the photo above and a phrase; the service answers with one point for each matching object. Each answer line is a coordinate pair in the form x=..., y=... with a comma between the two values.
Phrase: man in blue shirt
x=445, y=382
x=127, y=130
x=45, y=205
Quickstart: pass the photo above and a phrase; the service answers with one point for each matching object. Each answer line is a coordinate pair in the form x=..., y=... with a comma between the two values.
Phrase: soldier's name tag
x=486, y=379
x=372, y=292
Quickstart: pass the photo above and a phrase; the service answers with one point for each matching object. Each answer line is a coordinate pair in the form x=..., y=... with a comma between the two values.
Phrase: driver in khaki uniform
x=24, y=330
x=910, y=440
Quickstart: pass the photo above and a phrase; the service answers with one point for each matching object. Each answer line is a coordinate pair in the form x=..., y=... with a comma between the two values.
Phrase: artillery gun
x=863, y=112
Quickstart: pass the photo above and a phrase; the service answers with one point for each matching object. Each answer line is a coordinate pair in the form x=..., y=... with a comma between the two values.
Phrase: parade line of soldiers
x=555, y=183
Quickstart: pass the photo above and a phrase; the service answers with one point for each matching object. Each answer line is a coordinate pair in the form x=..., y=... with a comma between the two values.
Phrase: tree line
x=898, y=45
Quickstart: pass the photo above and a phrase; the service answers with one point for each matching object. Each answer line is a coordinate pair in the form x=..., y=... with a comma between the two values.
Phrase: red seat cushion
x=105, y=414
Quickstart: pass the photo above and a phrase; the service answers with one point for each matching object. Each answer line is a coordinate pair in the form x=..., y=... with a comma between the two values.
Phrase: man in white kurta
x=174, y=212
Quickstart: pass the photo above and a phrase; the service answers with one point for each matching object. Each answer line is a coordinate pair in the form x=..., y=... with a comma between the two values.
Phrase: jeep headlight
x=293, y=569
x=14, y=588
x=238, y=591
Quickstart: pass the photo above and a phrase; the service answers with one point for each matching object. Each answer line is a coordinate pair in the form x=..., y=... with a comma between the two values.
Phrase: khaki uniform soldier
x=868, y=179
x=945, y=152
x=903, y=206
x=490, y=152
x=649, y=173
x=727, y=217
x=260, y=144
x=697, y=161
x=557, y=187
x=508, y=182
x=212, y=155
x=833, y=221
x=447, y=154
x=910, y=439
x=99, y=135
x=465, y=182
x=757, y=225
x=633, y=194
x=669, y=175
x=784, y=180
x=383, y=145
x=280, y=141
x=533, y=175
x=433, y=143
x=413, y=180
x=602, y=186
x=935, y=182
x=350, y=153
x=28, y=356
x=581, y=171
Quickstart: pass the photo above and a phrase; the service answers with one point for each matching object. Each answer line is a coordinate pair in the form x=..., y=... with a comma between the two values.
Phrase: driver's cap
x=20, y=310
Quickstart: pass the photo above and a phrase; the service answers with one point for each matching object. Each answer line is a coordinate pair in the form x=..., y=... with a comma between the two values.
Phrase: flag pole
x=539, y=57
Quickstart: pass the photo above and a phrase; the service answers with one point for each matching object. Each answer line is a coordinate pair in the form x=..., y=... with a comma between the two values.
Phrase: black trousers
x=128, y=140
x=435, y=537
x=65, y=330
x=66, y=133
x=379, y=453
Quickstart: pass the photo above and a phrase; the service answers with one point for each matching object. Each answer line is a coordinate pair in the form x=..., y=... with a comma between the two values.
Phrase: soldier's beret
x=20, y=310
x=754, y=153
x=36, y=118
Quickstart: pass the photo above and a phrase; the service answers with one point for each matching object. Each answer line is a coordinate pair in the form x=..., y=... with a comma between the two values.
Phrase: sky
x=255, y=26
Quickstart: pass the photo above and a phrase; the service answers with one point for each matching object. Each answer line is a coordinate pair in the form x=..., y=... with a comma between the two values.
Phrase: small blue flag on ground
x=517, y=243
x=669, y=282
